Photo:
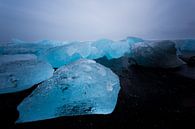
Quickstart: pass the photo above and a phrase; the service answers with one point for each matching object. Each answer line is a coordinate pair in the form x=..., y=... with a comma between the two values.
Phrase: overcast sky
x=93, y=19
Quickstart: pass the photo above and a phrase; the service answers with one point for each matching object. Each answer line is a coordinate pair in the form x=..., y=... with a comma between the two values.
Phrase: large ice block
x=66, y=54
x=156, y=54
x=80, y=88
x=18, y=57
x=20, y=72
x=186, y=49
x=111, y=49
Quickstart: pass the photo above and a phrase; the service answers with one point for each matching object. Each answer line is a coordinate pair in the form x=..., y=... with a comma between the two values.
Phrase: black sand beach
x=148, y=99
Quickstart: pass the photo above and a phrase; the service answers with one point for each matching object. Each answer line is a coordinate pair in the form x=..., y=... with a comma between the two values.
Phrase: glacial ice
x=62, y=55
x=186, y=48
x=111, y=49
x=132, y=40
x=155, y=54
x=80, y=88
x=4, y=59
x=22, y=47
x=20, y=72
x=146, y=53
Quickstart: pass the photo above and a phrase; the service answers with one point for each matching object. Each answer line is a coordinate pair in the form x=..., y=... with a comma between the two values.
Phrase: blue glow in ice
x=111, y=49
x=132, y=40
x=22, y=47
x=62, y=55
x=66, y=54
x=20, y=72
x=80, y=88
x=186, y=48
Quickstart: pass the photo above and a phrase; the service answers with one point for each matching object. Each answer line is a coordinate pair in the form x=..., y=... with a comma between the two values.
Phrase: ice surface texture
x=21, y=47
x=156, y=54
x=79, y=86
x=146, y=53
x=83, y=87
x=61, y=53
x=186, y=48
x=14, y=58
x=66, y=54
x=20, y=72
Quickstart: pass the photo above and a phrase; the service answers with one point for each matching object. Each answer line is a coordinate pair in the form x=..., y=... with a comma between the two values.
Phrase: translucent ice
x=110, y=49
x=132, y=40
x=66, y=54
x=80, y=88
x=21, y=47
x=4, y=59
x=62, y=55
x=20, y=72
x=156, y=54
x=186, y=48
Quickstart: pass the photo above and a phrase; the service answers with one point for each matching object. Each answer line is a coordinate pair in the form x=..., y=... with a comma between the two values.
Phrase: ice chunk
x=156, y=54
x=18, y=57
x=132, y=40
x=52, y=43
x=186, y=48
x=80, y=88
x=20, y=72
x=187, y=45
x=66, y=54
x=21, y=47
x=111, y=49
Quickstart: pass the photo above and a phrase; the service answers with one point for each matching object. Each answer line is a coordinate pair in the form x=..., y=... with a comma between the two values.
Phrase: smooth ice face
x=111, y=49
x=66, y=54
x=80, y=88
x=20, y=72
x=155, y=54
x=62, y=55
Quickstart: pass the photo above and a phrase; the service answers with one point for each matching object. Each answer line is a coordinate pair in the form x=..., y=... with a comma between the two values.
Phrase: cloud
x=94, y=19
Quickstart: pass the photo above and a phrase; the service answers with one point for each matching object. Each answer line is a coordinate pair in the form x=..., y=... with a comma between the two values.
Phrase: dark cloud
x=93, y=19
